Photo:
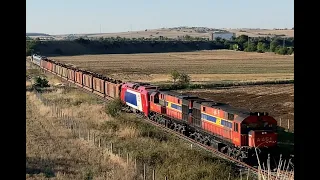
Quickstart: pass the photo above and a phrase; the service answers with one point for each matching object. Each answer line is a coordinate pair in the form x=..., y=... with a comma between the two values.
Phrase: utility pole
x=100, y=28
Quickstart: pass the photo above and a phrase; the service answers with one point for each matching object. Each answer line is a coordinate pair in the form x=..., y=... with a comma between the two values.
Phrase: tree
x=261, y=47
x=101, y=39
x=187, y=37
x=174, y=76
x=82, y=41
x=281, y=50
x=227, y=44
x=235, y=47
x=184, y=79
x=290, y=50
x=274, y=44
x=251, y=47
x=242, y=39
x=31, y=47
x=218, y=39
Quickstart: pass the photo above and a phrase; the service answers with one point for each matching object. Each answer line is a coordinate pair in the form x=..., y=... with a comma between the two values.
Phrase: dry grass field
x=262, y=32
x=202, y=66
x=53, y=152
x=277, y=100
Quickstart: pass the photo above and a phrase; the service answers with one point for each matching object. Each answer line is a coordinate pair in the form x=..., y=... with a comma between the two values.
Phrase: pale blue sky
x=86, y=16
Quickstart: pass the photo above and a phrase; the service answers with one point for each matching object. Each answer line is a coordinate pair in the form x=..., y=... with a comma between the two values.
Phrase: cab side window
x=236, y=127
x=156, y=99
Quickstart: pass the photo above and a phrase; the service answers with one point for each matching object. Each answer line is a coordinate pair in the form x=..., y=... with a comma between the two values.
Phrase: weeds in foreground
x=113, y=108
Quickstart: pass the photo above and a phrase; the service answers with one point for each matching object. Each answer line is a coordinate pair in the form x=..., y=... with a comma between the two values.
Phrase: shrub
x=113, y=108
x=41, y=82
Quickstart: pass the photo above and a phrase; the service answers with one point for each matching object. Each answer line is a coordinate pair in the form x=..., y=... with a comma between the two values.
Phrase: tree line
x=279, y=45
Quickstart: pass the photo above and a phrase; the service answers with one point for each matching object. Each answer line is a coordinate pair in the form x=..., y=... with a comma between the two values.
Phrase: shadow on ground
x=48, y=167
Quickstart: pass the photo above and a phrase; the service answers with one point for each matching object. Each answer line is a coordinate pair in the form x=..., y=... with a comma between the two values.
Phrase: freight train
x=233, y=131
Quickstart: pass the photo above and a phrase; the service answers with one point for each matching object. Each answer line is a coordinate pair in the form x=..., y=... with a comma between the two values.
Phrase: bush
x=174, y=76
x=184, y=79
x=290, y=51
x=113, y=108
x=282, y=50
x=41, y=82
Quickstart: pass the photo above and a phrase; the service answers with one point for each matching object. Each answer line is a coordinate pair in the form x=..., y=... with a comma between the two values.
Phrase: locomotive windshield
x=245, y=128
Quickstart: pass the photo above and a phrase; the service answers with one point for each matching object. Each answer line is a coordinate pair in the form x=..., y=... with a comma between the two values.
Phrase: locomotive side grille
x=196, y=117
x=185, y=112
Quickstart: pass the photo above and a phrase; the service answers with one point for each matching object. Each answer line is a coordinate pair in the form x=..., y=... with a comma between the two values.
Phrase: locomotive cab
x=259, y=130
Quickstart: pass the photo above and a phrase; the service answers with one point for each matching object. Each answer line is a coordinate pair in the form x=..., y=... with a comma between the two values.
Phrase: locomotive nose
x=262, y=138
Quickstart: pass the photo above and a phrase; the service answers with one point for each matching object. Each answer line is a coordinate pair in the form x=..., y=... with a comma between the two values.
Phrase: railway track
x=243, y=167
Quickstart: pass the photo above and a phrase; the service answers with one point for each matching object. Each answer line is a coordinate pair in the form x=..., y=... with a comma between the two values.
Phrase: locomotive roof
x=140, y=85
x=242, y=113
x=179, y=95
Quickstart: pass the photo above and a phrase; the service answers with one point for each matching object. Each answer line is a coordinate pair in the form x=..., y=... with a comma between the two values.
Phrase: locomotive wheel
x=229, y=152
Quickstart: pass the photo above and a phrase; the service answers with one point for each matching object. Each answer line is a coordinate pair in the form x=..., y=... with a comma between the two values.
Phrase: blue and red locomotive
x=233, y=131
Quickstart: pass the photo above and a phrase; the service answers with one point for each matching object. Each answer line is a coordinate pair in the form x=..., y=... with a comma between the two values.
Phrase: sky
x=87, y=16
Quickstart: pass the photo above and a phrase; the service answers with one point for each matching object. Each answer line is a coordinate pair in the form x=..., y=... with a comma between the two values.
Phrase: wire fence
x=287, y=124
x=80, y=129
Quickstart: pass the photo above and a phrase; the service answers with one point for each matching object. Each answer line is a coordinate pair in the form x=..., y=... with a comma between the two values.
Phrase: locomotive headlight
x=264, y=132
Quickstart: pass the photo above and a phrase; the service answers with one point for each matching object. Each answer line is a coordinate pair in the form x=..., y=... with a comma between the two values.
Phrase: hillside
x=36, y=34
x=176, y=32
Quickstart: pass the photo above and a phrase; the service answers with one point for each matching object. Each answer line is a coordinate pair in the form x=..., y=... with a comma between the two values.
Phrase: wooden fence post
x=154, y=174
x=135, y=163
x=79, y=131
x=94, y=138
x=144, y=171
x=127, y=158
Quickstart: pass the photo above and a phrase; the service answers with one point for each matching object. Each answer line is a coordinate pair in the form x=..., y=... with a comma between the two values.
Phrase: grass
x=52, y=151
x=167, y=154
x=202, y=66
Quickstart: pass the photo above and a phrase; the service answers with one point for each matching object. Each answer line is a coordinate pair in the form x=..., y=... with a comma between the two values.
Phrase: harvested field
x=202, y=66
x=278, y=100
